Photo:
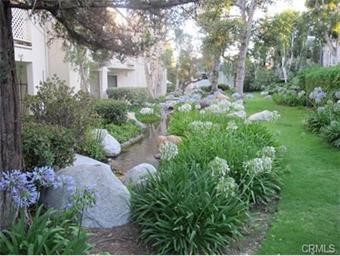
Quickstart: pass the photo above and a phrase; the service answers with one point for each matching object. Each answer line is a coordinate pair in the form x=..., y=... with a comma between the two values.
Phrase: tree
x=88, y=22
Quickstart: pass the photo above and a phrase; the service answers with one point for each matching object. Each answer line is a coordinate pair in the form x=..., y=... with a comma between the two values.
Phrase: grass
x=123, y=132
x=309, y=208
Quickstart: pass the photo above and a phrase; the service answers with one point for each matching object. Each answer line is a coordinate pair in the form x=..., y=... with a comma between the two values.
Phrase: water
x=144, y=150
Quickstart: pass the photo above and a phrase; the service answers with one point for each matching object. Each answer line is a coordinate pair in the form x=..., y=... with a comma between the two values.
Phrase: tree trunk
x=214, y=75
x=283, y=66
x=245, y=38
x=10, y=124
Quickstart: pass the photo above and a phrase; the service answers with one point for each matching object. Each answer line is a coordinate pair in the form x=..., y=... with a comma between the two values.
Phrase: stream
x=144, y=150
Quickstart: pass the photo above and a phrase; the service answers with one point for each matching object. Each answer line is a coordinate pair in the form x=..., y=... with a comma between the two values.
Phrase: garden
x=162, y=139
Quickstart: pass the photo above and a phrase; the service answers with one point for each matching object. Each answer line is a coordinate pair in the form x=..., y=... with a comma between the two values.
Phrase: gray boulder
x=111, y=146
x=139, y=174
x=265, y=115
x=112, y=206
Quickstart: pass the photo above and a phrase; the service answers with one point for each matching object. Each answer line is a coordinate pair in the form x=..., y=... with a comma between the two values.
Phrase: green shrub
x=328, y=78
x=57, y=104
x=47, y=145
x=48, y=233
x=263, y=78
x=181, y=212
x=123, y=132
x=92, y=147
x=112, y=111
x=188, y=209
x=332, y=133
x=136, y=96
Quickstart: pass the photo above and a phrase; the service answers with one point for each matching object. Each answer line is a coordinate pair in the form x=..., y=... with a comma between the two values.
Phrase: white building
x=329, y=59
x=37, y=60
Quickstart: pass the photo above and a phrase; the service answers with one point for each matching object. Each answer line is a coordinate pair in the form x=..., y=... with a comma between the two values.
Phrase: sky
x=277, y=7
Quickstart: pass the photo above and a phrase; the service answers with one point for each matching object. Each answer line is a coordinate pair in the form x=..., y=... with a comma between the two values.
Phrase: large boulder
x=111, y=146
x=131, y=116
x=265, y=115
x=112, y=206
x=139, y=174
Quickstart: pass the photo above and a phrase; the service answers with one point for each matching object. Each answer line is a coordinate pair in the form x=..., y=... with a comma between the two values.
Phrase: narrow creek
x=144, y=150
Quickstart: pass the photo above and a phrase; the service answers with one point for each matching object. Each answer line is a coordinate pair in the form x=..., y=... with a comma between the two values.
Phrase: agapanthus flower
x=219, y=167
x=168, y=151
x=20, y=187
x=268, y=152
x=200, y=125
x=337, y=94
x=232, y=126
x=301, y=93
x=185, y=108
x=146, y=111
x=226, y=187
x=44, y=177
x=317, y=94
x=259, y=165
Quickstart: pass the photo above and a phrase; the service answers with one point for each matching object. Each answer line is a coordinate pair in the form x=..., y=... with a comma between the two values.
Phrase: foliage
x=91, y=146
x=57, y=104
x=112, y=111
x=123, y=132
x=198, y=201
x=332, y=133
x=328, y=78
x=263, y=78
x=135, y=96
x=45, y=144
x=151, y=117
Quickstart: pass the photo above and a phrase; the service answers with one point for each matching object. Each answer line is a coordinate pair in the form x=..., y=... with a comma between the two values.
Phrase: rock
x=221, y=96
x=112, y=197
x=265, y=115
x=157, y=156
x=249, y=96
x=111, y=145
x=132, y=117
x=264, y=93
x=139, y=174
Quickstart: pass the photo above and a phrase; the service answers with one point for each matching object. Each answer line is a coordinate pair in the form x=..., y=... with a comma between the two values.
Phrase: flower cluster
x=237, y=106
x=317, y=95
x=24, y=187
x=146, y=111
x=301, y=94
x=200, y=125
x=268, y=152
x=219, y=167
x=337, y=94
x=185, y=108
x=219, y=107
x=226, y=187
x=232, y=126
x=168, y=151
x=259, y=165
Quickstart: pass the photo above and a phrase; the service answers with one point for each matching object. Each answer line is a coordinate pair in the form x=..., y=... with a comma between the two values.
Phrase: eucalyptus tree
x=90, y=23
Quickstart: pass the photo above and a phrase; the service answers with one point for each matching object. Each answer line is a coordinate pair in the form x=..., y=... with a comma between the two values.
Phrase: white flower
x=168, y=151
x=337, y=94
x=232, y=126
x=259, y=165
x=238, y=106
x=185, y=108
x=219, y=167
x=301, y=93
x=268, y=152
x=202, y=112
x=146, y=111
x=197, y=106
x=336, y=106
x=199, y=125
x=226, y=187
x=276, y=115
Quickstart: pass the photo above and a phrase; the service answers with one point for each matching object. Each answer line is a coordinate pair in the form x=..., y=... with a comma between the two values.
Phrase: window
x=112, y=81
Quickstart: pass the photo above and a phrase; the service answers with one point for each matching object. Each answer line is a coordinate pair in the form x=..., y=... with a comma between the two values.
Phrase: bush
x=57, y=104
x=136, y=96
x=198, y=201
x=263, y=78
x=112, y=111
x=92, y=147
x=48, y=233
x=328, y=78
x=332, y=133
x=123, y=132
x=47, y=145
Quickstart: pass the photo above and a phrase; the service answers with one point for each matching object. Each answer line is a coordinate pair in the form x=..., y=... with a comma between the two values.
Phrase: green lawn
x=309, y=209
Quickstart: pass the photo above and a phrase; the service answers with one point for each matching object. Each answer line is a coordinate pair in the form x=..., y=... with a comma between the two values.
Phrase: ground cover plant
x=123, y=132
x=205, y=186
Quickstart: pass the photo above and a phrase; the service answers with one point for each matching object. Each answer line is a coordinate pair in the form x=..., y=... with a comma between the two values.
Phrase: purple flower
x=317, y=94
x=44, y=177
x=68, y=182
x=21, y=189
